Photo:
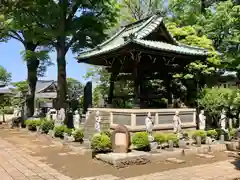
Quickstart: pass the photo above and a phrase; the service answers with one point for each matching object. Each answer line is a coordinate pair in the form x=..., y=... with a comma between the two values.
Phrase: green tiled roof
x=137, y=33
x=171, y=48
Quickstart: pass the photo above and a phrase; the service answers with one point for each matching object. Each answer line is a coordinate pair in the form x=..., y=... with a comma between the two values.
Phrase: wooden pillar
x=111, y=89
x=136, y=78
x=168, y=84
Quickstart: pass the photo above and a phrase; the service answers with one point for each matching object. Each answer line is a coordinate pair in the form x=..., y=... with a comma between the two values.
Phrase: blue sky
x=11, y=60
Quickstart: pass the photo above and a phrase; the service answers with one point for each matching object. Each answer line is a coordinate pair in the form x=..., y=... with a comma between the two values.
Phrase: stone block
x=121, y=160
x=207, y=156
x=175, y=160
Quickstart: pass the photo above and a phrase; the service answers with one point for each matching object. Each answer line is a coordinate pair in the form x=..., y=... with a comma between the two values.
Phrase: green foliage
x=214, y=100
x=140, y=141
x=173, y=137
x=5, y=77
x=108, y=133
x=68, y=131
x=59, y=130
x=188, y=35
x=232, y=133
x=160, y=138
x=47, y=126
x=78, y=135
x=32, y=124
x=201, y=134
x=101, y=143
x=212, y=133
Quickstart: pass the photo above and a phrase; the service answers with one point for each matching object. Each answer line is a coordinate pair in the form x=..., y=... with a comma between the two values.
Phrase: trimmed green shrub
x=78, y=135
x=160, y=138
x=232, y=133
x=140, y=141
x=68, y=131
x=46, y=126
x=101, y=143
x=173, y=137
x=108, y=133
x=222, y=132
x=212, y=133
x=200, y=133
x=32, y=124
x=59, y=130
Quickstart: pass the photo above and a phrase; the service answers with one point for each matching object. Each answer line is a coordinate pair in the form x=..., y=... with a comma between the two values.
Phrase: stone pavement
x=223, y=170
x=17, y=165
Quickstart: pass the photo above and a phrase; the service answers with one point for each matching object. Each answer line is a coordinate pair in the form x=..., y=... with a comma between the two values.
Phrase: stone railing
x=134, y=119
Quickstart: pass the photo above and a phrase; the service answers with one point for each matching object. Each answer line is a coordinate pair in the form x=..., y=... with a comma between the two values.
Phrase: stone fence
x=134, y=119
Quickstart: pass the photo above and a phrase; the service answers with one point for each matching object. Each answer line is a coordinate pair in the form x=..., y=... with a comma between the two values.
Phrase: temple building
x=46, y=93
x=140, y=52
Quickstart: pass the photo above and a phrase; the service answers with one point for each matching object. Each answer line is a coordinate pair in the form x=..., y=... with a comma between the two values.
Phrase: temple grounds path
x=32, y=156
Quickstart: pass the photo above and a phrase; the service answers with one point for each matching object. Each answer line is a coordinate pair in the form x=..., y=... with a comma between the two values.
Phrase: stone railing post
x=111, y=118
x=156, y=119
x=133, y=119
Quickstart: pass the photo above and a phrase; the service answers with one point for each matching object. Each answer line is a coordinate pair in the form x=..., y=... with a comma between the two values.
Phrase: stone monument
x=223, y=120
x=202, y=120
x=120, y=139
x=97, y=122
x=87, y=97
x=60, y=117
x=76, y=120
x=177, y=123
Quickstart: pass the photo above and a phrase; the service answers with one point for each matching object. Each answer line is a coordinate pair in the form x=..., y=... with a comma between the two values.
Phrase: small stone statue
x=97, y=121
x=223, y=119
x=60, y=117
x=36, y=113
x=149, y=124
x=76, y=120
x=202, y=120
x=177, y=123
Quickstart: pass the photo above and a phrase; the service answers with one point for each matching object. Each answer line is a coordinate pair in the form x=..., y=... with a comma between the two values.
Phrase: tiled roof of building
x=137, y=33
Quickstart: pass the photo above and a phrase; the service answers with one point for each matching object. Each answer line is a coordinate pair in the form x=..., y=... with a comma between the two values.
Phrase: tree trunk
x=32, y=66
x=62, y=82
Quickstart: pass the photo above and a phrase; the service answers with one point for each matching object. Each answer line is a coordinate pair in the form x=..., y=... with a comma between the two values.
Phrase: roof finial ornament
x=132, y=36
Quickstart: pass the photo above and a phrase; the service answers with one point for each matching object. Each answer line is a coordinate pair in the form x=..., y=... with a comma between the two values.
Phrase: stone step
x=207, y=156
x=175, y=160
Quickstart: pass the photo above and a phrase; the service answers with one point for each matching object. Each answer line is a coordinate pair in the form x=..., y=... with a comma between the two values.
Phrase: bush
x=140, y=141
x=101, y=143
x=232, y=133
x=212, y=133
x=200, y=133
x=160, y=138
x=59, y=130
x=222, y=132
x=68, y=131
x=173, y=137
x=78, y=135
x=32, y=124
x=108, y=133
x=46, y=126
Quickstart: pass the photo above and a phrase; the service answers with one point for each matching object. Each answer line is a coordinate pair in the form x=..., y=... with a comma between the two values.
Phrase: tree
x=223, y=27
x=5, y=78
x=72, y=24
x=17, y=24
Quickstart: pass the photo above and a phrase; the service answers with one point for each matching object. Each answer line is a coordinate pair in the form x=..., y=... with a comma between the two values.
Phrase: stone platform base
x=121, y=160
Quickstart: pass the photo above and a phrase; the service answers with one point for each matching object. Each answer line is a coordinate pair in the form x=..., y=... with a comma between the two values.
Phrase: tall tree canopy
x=71, y=24
x=17, y=24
